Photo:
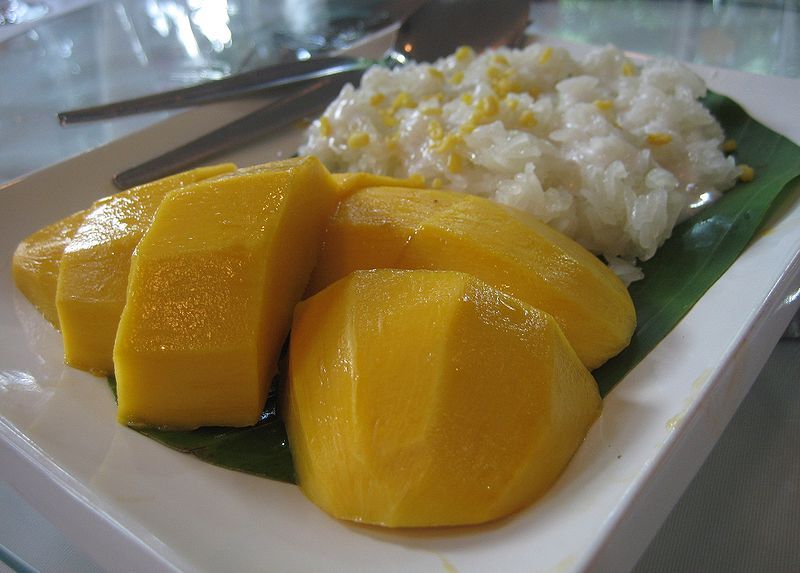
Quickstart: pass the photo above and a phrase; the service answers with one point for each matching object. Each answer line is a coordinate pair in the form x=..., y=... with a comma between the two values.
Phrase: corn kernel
x=488, y=106
x=436, y=73
x=454, y=163
x=464, y=54
x=729, y=145
x=435, y=130
x=325, y=127
x=358, y=139
x=506, y=86
x=528, y=119
x=449, y=142
x=494, y=73
x=403, y=99
x=389, y=120
x=467, y=127
x=628, y=69
x=511, y=103
x=467, y=98
x=658, y=138
x=376, y=99
x=746, y=173
x=457, y=78
x=500, y=59
x=603, y=104
x=437, y=183
x=546, y=54
x=432, y=111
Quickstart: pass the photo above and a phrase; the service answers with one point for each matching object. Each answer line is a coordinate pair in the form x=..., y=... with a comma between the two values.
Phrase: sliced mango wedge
x=212, y=287
x=36, y=261
x=421, y=398
x=93, y=271
x=384, y=227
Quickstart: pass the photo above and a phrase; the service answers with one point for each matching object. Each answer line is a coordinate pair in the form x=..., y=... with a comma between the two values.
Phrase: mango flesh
x=212, y=287
x=385, y=227
x=350, y=182
x=36, y=261
x=98, y=262
x=423, y=398
x=372, y=228
x=93, y=271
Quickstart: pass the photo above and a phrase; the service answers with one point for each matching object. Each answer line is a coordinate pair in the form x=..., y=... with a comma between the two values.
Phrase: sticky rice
x=609, y=153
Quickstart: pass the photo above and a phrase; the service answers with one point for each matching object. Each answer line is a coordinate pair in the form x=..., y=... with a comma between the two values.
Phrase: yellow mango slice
x=349, y=182
x=212, y=287
x=385, y=227
x=93, y=271
x=422, y=398
x=527, y=259
x=36, y=260
x=371, y=229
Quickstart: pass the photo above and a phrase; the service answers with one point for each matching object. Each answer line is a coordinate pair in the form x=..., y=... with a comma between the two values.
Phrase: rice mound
x=608, y=153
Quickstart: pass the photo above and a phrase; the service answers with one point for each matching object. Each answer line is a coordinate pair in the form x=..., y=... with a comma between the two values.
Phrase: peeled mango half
x=404, y=228
x=423, y=398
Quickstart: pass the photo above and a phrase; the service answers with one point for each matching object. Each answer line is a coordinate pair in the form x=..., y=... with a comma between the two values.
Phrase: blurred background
x=103, y=50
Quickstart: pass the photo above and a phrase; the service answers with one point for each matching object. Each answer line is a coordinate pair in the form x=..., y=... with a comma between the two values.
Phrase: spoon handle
x=261, y=80
x=278, y=113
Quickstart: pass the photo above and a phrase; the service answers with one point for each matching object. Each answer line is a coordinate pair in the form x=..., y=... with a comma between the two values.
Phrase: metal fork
x=255, y=82
x=310, y=99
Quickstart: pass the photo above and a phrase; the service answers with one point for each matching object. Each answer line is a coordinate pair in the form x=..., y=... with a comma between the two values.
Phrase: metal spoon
x=433, y=31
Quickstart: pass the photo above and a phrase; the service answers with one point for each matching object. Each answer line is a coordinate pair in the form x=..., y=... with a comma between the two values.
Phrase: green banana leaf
x=262, y=449
x=700, y=250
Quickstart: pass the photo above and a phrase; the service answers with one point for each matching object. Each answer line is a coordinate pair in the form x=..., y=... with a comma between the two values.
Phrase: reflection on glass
x=756, y=37
x=18, y=11
x=211, y=18
x=115, y=49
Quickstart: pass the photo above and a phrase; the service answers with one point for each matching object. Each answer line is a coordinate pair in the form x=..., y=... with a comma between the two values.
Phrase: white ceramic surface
x=134, y=505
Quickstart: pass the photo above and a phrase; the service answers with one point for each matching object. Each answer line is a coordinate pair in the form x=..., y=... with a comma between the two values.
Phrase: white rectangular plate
x=133, y=504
